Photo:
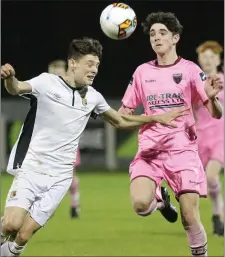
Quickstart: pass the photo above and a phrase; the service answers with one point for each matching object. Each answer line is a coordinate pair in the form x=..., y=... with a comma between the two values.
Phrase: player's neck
x=167, y=59
x=211, y=72
x=69, y=77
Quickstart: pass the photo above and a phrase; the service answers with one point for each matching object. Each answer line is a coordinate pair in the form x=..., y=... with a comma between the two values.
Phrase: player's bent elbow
x=12, y=91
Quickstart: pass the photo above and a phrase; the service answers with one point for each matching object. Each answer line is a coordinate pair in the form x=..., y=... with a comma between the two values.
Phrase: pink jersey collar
x=155, y=63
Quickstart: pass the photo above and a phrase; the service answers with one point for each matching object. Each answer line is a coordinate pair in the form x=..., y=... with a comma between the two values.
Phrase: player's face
x=209, y=60
x=161, y=39
x=85, y=69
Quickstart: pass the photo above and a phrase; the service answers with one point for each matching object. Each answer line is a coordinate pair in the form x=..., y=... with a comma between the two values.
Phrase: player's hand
x=7, y=71
x=213, y=86
x=167, y=118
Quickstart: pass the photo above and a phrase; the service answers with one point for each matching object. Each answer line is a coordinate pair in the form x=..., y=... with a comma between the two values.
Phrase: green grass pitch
x=109, y=227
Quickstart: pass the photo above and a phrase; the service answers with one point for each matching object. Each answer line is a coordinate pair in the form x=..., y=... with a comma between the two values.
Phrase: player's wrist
x=155, y=118
x=10, y=78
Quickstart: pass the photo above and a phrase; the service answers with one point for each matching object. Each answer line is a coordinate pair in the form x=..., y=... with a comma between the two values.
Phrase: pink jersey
x=159, y=89
x=204, y=121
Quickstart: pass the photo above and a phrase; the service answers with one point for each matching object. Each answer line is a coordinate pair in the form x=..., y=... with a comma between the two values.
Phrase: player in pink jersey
x=58, y=67
x=166, y=154
x=211, y=135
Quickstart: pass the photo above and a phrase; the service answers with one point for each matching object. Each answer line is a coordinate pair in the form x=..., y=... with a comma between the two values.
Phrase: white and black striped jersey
x=49, y=137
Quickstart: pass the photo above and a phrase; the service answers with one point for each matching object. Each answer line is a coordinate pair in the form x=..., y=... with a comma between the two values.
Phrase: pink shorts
x=211, y=147
x=182, y=170
x=77, y=162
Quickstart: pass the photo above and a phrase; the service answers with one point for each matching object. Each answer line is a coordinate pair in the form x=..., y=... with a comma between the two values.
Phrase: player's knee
x=11, y=226
x=141, y=205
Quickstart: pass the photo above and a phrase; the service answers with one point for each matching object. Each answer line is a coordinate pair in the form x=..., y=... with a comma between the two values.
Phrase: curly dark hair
x=84, y=46
x=166, y=18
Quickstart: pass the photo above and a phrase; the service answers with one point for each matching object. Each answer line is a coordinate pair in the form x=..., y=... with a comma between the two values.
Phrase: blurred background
x=35, y=33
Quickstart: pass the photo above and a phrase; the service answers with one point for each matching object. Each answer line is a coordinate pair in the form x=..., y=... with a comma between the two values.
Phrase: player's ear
x=176, y=38
x=72, y=63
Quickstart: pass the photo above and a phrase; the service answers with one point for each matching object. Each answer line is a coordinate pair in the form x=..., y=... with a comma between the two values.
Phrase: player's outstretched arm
x=12, y=85
x=125, y=110
x=128, y=122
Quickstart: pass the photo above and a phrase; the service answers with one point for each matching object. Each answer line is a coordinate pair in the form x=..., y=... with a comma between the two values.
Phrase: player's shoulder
x=42, y=76
x=93, y=92
x=190, y=64
x=141, y=68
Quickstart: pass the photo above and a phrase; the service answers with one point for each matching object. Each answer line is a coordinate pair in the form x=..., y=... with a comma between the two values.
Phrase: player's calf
x=196, y=235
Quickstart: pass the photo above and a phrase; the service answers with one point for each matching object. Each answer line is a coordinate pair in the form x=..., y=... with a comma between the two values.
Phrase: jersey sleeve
x=198, y=79
x=101, y=105
x=132, y=98
x=38, y=84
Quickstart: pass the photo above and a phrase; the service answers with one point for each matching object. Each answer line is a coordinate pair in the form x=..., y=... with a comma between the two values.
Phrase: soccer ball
x=118, y=21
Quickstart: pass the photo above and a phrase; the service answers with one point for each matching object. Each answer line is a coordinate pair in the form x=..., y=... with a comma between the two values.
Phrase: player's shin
x=196, y=235
x=197, y=239
x=74, y=197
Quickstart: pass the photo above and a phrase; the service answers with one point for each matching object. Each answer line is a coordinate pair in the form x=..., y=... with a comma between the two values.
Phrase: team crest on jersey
x=84, y=101
x=177, y=77
x=203, y=76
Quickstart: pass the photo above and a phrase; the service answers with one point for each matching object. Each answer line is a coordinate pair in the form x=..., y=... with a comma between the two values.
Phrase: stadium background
x=37, y=32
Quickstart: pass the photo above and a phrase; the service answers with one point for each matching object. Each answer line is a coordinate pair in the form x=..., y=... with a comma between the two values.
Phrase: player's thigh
x=144, y=178
x=213, y=169
x=43, y=209
x=185, y=173
x=19, y=200
x=189, y=208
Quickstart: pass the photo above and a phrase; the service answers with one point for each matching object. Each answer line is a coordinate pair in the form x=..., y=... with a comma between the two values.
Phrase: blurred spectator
x=57, y=67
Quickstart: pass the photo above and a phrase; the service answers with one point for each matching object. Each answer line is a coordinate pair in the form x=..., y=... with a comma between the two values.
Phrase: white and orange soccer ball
x=118, y=21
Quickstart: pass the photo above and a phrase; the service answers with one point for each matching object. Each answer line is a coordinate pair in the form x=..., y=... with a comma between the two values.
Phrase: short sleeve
x=101, y=105
x=131, y=98
x=198, y=79
x=38, y=84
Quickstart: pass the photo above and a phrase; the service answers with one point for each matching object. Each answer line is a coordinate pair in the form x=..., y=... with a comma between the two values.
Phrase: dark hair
x=84, y=46
x=166, y=18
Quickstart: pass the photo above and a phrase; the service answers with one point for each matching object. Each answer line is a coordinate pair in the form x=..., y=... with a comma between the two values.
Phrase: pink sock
x=214, y=191
x=74, y=192
x=197, y=240
x=155, y=205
